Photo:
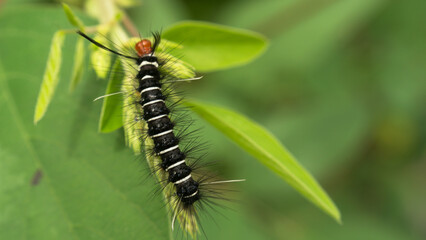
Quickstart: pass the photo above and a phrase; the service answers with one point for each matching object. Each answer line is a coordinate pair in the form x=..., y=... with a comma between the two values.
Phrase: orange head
x=143, y=47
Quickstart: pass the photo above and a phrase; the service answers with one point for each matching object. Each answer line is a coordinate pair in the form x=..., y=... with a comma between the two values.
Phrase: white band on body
x=157, y=117
x=150, y=89
x=152, y=102
x=168, y=149
x=162, y=133
x=147, y=76
x=195, y=193
x=183, y=179
x=175, y=165
x=143, y=63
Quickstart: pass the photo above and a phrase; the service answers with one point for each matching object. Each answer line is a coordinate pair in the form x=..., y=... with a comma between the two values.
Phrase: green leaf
x=210, y=47
x=77, y=71
x=112, y=109
x=72, y=18
x=61, y=179
x=268, y=150
x=101, y=59
x=50, y=77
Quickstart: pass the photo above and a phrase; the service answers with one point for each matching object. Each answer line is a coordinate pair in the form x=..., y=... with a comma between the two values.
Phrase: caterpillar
x=149, y=88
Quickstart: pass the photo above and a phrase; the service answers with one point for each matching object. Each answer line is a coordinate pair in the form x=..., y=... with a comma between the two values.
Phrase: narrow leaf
x=50, y=77
x=268, y=150
x=77, y=71
x=100, y=59
x=72, y=18
x=111, y=115
x=211, y=47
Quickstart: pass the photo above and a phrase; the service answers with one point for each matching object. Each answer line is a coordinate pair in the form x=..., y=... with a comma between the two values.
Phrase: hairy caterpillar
x=176, y=173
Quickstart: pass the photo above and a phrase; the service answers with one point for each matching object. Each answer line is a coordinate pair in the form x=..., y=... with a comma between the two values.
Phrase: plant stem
x=130, y=26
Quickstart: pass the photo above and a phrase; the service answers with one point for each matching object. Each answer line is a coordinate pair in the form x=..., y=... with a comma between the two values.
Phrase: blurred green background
x=342, y=85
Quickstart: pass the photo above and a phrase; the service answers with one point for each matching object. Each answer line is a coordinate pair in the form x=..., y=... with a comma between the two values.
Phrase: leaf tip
x=39, y=111
x=338, y=217
x=36, y=118
x=334, y=212
x=65, y=6
x=72, y=18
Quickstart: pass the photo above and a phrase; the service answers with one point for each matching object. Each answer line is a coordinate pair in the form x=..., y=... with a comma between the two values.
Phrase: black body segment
x=148, y=82
x=159, y=125
x=178, y=173
x=171, y=157
x=188, y=189
x=155, y=110
x=151, y=96
x=160, y=129
x=164, y=142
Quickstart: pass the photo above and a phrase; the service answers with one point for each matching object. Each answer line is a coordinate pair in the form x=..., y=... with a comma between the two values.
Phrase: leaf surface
x=210, y=47
x=51, y=76
x=61, y=179
x=112, y=107
x=268, y=150
x=77, y=72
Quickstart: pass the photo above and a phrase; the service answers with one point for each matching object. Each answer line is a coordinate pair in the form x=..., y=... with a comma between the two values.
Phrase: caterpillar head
x=143, y=47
